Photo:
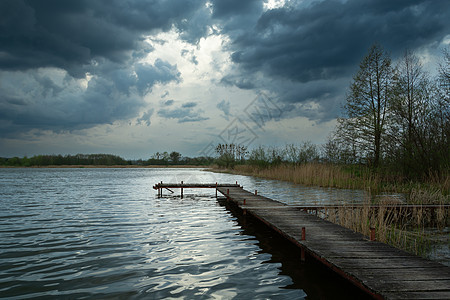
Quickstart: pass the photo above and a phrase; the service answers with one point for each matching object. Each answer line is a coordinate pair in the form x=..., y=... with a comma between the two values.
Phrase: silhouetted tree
x=366, y=107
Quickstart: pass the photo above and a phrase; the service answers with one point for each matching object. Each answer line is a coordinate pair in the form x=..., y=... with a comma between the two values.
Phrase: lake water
x=103, y=233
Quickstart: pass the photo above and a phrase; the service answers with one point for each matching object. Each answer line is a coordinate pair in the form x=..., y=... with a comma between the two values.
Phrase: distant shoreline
x=105, y=167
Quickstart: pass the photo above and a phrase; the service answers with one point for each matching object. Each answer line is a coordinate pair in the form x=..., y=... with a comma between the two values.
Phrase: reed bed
x=338, y=176
x=400, y=227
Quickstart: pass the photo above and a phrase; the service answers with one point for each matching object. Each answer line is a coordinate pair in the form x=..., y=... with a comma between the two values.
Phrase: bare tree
x=366, y=107
x=411, y=109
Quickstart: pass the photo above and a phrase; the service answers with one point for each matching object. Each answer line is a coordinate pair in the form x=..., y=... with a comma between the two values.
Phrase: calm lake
x=103, y=233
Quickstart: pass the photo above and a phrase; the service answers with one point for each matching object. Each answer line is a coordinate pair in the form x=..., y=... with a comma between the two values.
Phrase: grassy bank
x=407, y=230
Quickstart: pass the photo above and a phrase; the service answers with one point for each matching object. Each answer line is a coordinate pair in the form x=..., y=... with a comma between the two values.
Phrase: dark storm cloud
x=47, y=46
x=328, y=38
x=306, y=44
x=148, y=75
x=70, y=34
x=235, y=17
x=233, y=8
x=53, y=100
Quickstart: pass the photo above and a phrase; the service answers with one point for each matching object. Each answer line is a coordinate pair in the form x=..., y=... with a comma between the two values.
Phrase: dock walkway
x=383, y=271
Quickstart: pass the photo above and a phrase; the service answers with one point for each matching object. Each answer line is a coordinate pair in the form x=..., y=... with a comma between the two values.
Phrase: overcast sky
x=133, y=77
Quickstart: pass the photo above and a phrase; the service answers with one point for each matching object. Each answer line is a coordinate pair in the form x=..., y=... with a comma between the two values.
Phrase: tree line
x=230, y=155
x=163, y=158
x=175, y=158
x=59, y=160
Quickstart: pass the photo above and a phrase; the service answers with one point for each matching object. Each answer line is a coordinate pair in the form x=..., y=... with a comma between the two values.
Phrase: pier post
x=216, y=189
x=372, y=234
x=256, y=192
x=182, y=189
x=302, y=257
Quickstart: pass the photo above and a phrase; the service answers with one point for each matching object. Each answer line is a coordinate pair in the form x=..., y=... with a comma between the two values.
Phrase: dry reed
x=399, y=227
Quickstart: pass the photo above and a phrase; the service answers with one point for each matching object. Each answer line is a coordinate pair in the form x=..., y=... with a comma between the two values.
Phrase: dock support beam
x=181, y=190
x=302, y=255
x=372, y=234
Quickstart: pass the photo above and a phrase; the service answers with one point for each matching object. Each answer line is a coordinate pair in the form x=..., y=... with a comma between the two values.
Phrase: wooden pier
x=380, y=270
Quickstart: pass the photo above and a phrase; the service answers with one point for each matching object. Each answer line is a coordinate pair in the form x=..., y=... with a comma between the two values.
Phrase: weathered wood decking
x=379, y=269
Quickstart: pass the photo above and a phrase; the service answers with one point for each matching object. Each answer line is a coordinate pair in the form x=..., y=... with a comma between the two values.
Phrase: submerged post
x=303, y=233
x=216, y=189
x=182, y=189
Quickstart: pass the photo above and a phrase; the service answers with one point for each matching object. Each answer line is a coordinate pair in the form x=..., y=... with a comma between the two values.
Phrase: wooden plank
x=392, y=274
x=411, y=285
x=381, y=263
x=443, y=295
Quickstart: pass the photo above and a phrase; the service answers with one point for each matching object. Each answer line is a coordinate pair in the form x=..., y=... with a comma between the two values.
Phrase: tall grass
x=347, y=177
x=402, y=228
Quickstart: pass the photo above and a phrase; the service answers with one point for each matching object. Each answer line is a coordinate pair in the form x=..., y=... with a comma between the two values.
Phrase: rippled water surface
x=103, y=233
